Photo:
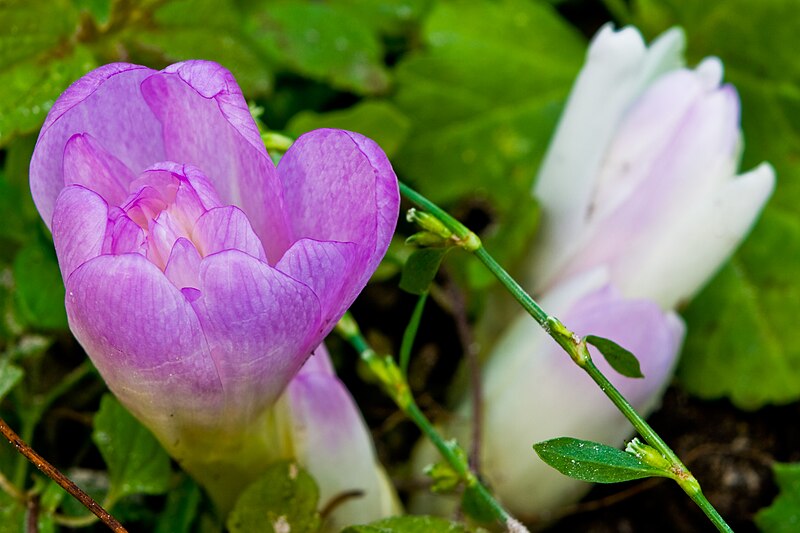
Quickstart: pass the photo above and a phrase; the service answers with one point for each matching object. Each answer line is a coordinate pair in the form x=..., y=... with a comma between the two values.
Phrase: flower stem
x=579, y=353
x=394, y=383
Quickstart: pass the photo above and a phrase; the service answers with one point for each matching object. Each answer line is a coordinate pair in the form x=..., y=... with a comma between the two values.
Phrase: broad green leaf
x=39, y=288
x=202, y=29
x=31, y=27
x=618, y=357
x=380, y=121
x=322, y=42
x=29, y=89
x=284, y=499
x=10, y=376
x=783, y=515
x=421, y=268
x=390, y=17
x=181, y=509
x=593, y=462
x=480, y=126
x=409, y=524
x=136, y=462
x=742, y=340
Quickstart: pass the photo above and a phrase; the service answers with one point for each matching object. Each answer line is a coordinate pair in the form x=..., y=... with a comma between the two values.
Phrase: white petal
x=693, y=248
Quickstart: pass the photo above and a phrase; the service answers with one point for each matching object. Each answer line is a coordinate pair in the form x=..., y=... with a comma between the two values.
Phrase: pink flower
x=199, y=276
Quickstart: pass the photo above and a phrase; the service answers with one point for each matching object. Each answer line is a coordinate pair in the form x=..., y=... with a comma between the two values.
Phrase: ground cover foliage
x=463, y=96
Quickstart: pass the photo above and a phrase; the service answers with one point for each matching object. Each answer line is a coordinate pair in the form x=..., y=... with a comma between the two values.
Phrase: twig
x=65, y=483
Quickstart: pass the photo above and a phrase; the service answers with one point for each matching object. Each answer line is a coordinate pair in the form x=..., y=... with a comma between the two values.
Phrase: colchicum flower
x=200, y=277
x=640, y=177
x=641, y=205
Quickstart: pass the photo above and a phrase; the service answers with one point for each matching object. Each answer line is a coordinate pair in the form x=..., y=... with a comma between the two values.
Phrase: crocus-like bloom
x=200, y=277
x=640, y=177
x=641, y=205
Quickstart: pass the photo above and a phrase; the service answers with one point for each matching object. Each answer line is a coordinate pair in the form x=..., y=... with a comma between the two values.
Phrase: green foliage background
x=462, y=94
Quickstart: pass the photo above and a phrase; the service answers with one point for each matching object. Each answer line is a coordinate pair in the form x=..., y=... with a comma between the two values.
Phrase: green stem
x=411, y=333
x=579, y=353
x=396, y=386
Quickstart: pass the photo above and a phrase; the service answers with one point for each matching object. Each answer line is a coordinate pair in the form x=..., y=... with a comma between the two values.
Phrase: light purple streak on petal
x=698, y=159
x=226, y=228
x=183, y=266
x=339, y=186
x=126, y=237
x=331, y=269
x=618, y=68
x=648, y=127
x=332, y=442
x=87, y=163
x=206, y=123
x=107, y=104
x=80, y=225
x=261, y=326
x=532, y=389
x=147, y=343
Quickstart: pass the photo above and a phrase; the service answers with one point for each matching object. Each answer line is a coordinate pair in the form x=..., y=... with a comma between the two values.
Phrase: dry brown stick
x=65, y=483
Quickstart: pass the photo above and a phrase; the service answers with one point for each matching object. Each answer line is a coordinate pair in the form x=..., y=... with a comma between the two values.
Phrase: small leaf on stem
x=618, y=357
x=420, y=269
x=594, y=462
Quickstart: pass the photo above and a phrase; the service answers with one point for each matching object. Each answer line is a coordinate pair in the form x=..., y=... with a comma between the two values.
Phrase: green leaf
x=409, y=524
x=31, y=27
x=39, y=288
x=481, y=126
x=136, y=462
x=10, y=376
x=618, y=357
x=181, y=509
x=783, y=515
x=202, y=29
x=285, y=498
x=421, y=268
x=593, y=462
x=742, y=340
x=28, y=90
x=380, y=121
x=321, y=42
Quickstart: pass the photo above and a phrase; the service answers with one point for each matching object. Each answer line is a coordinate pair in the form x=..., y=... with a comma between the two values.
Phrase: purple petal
x=226, y=228
x=333, y=443
x=87, y=163
x=107, y=104
x=147, y=343
x=183, y=265
x=339, y=186
x=126, y=237
x=80, y=224
x=261, y=326
x=331, y=269
x=206, y=122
